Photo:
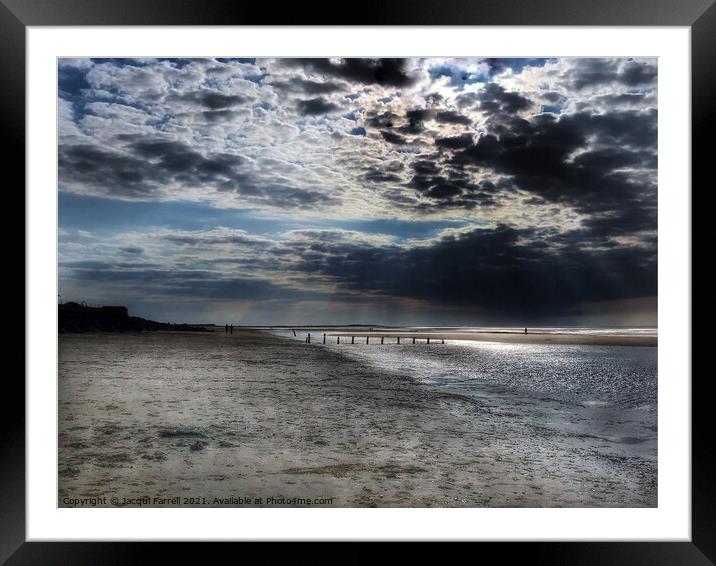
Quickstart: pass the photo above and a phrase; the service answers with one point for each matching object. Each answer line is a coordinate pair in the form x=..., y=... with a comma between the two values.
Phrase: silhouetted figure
x=231, y=329
x=525, y=331
x=226, y=329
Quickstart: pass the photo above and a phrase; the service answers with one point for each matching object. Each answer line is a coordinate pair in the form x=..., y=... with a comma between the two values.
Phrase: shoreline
x=512, y=337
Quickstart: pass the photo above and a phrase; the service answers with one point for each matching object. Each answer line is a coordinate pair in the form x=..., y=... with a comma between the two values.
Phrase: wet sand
x=214, y=419
x=508, y=337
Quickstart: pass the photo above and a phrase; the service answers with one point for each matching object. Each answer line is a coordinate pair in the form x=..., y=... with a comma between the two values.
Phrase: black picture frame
x=17, y=15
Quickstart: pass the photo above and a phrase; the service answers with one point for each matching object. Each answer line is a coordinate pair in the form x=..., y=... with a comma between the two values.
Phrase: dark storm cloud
x=536, y=155
x=393, y=138
x=378, y=176
x=382, y=120
x=132, y=250
x=523, y=274
x=416, y=116
x=445, y=187
x=316, y=107
x=210, y=100
x=420, y=115
x=425, y=166
x=119, y=174
x=600, y=164
x=446, y=192
x=455, y=142
x=503, y=270
x=144, y=167
x=386, y=72
x=467, y=100
x=177, y=158
x=441, y=189
x=615, y=158
x=297, y=84
x=451, y=117
x=595, y=72
x=277, y=195
x=632, y=218
x=494, y=98
x=386, y=172
x=637, y=74
x=551, y=96
x=610, y=102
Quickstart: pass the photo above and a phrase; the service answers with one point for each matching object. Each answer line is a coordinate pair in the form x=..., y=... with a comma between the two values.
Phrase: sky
x=417, y=191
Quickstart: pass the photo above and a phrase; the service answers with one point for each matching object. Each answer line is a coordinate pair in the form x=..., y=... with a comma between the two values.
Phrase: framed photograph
x=423, y=274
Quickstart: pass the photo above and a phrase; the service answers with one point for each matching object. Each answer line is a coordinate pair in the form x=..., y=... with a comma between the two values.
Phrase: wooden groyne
x=389, y=336
x=385, y=338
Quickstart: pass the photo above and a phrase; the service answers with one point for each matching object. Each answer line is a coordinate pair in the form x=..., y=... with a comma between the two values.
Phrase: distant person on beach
x=226, y=329
x=231, y=329
x=525, y=331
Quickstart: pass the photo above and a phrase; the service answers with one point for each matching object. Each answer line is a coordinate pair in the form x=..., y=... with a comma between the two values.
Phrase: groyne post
x=381, y=339
x=366, y=339
x=353, y=339
x=443, y=341
x=398, y=339
x=338, y=339
x=324, y=337
x=413, y=339
x=308, y=338
x=428, y=340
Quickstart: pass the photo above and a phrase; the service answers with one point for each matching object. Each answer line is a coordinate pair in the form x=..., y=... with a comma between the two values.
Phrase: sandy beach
x=212, y=419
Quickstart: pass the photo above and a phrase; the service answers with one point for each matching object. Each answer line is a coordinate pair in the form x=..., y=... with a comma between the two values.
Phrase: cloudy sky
x=391, y=191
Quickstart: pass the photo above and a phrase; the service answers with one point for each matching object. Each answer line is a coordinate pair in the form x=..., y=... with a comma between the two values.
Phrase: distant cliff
x=74, y=317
